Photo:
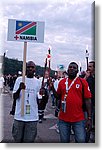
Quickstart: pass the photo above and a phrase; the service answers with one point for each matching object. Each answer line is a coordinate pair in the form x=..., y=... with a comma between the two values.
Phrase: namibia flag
x=26, y=28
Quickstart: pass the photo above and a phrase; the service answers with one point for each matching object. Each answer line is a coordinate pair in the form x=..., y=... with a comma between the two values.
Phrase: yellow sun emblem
x=19, y=24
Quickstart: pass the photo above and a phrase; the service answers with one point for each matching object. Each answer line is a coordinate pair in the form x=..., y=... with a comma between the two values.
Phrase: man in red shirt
x=71, y=113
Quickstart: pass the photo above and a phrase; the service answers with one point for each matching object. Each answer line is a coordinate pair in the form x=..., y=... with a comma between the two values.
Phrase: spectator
x=44, y=97
x=1, y=83
x=90, y=78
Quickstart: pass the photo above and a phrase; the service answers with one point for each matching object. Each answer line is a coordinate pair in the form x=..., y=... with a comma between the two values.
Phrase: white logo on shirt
x=77, y=86
x=88, y=88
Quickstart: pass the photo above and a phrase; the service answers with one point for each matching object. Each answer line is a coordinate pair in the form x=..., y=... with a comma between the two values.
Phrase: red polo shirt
x=74, y=110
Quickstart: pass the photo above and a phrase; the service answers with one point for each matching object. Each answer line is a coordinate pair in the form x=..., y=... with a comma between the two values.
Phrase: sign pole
x=23, y=78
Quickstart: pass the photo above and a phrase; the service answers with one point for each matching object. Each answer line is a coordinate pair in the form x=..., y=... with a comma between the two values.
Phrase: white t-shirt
x=32, y=87
x=45, y=81
x=1, y=82
x=56, y=83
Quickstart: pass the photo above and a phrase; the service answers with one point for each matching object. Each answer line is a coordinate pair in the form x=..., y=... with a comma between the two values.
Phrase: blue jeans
x=53, y=99
x=24, y=132
x=78, y=128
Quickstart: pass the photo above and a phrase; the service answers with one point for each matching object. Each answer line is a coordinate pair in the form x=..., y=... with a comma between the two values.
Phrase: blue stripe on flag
x=20, y=24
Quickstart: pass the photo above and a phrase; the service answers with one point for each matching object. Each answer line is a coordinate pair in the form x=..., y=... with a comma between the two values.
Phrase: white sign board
x=25, y=31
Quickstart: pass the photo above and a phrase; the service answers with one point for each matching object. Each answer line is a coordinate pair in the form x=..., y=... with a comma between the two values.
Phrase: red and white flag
x=48, y=56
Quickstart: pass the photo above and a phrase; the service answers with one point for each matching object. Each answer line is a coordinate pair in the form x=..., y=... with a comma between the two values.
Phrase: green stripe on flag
x=31, y=31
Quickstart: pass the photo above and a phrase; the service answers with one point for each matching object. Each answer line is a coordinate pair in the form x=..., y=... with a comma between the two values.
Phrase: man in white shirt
x=1, y=83
x=25, y=127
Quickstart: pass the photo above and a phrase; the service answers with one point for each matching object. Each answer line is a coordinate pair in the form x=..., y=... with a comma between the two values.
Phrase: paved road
x=46, y=130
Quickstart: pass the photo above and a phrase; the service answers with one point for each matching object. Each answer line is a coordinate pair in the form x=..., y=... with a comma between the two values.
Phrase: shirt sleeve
x=39, y=85
x=40, y=82
x=16, y=85
x=59, y=91
x=87, y=93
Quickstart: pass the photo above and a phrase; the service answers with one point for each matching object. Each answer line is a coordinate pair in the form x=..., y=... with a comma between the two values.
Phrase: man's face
x=30, y=69
x=72, y=70
x=46, y=74
x=90, y=67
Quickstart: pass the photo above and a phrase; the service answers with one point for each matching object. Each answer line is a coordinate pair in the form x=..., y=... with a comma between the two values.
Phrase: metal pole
x=49, y=52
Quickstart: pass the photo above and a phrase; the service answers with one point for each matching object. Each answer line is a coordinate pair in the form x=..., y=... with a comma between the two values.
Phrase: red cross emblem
x=16, y=37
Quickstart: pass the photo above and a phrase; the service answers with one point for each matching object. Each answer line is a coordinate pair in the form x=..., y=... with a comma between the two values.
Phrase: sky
x=68, y=30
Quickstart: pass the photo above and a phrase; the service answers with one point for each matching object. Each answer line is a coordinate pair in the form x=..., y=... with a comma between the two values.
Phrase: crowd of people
x=7, y=80
x=68, y=92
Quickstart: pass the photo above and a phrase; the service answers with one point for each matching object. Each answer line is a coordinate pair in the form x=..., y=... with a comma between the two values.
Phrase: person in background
x=1, y=83
x=90, y=78
x=44, y=96
x=52, y=96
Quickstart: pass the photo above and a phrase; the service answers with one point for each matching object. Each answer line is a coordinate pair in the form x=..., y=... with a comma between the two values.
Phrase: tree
x=12, y=66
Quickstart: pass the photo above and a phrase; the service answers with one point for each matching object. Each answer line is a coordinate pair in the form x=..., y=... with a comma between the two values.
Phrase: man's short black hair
x=30, y=63
x=93, y=62
x=74, y=63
